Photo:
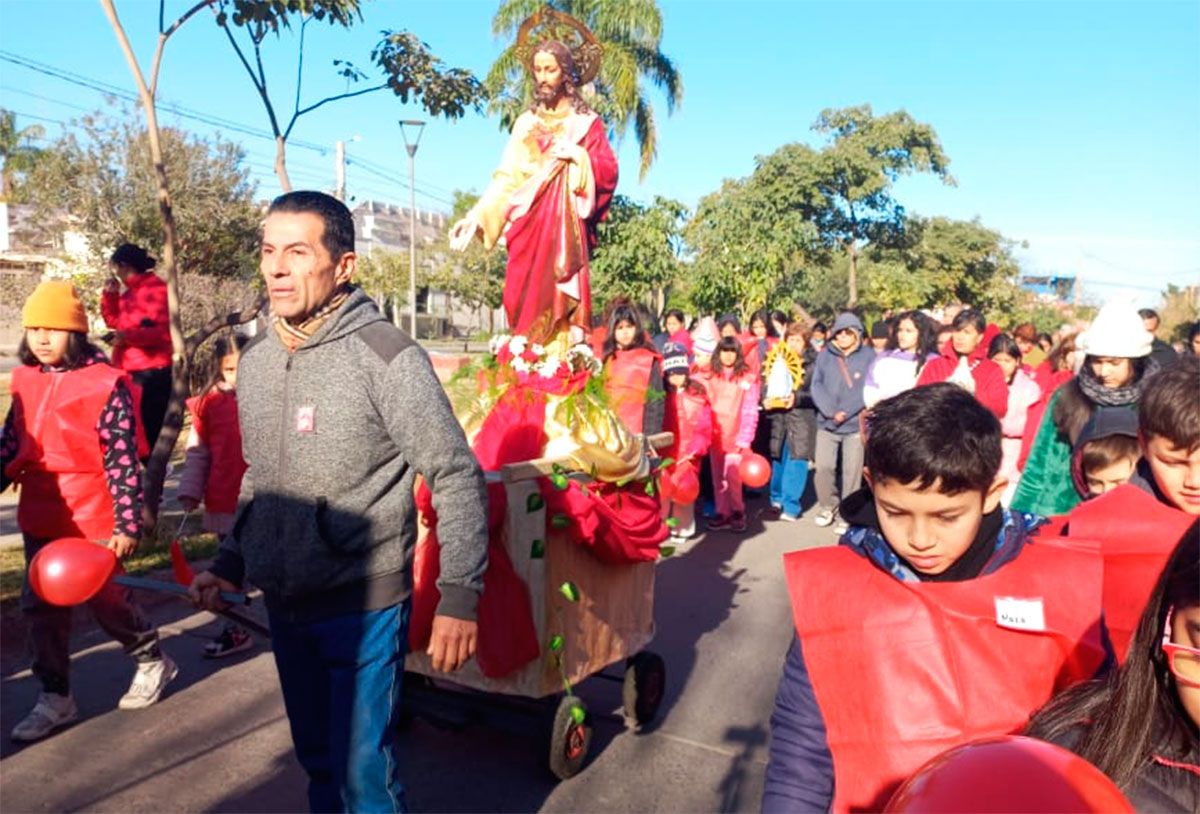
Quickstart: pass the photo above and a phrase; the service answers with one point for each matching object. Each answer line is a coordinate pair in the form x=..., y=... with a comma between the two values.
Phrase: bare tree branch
x=226, y=321
x=313, y=107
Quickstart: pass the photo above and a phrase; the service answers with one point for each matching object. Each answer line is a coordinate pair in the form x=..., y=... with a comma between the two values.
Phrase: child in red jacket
x=213, y=468
x=70, y=442
x=689, y=417
x=733, y=393
x=964, y=362
x=632, y=372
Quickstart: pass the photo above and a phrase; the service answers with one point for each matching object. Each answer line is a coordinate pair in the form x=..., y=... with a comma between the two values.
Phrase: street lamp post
x=411, y=146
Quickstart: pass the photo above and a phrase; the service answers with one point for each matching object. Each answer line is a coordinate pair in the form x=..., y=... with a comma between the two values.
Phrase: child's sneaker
x=232, y=639
x=718, y=523
x=738, y=522
x=149, y=681
x=825, y=517
x=788, y=518
x=49, y=713
x=841, y=527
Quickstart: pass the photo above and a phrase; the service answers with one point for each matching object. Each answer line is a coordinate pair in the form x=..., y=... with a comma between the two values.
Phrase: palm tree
x=18, y=154
x=630, y=32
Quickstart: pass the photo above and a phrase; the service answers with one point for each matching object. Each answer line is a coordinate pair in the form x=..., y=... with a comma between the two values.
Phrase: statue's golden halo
x=549, y=24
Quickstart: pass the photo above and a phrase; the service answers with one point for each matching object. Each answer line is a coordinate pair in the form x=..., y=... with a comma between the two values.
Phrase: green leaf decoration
x=560, y=521
x=650, y=488
x=569, y=590
x=666, y=550
x=578, y=715
x=534, y=503
x=672, y=522
x=621, y=484
x=537, y=549
x=556, y=643
x=663, y=463
x=559, y=481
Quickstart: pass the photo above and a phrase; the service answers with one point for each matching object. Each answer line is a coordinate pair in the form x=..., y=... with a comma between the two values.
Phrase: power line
x=121, y=93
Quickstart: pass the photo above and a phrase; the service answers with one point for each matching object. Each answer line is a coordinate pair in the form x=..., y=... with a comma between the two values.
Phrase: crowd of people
x=1010, y=500
x=1007, y=499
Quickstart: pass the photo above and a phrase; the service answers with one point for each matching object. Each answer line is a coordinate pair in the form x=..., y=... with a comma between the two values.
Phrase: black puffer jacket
x=1170, y=782
x=797, y=427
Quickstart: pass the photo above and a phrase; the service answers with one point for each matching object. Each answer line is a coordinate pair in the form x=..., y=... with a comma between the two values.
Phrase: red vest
x=915, y=668
x=215, y=419
x=686, y=414
x=725, y=394
x=628, y=381
x=59, y=462
x=1136, y=535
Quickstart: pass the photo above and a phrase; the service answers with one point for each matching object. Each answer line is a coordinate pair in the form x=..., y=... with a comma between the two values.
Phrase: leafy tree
x=940, y=260
x=854, y=174
x=630, y=31
x=404, y=63
x=17, y=151
x=99, y=175
x=753, y=237
x=1180, y=308
x=637, y=254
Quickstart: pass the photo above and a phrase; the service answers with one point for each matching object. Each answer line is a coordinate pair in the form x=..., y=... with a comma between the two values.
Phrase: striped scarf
x=294, y=335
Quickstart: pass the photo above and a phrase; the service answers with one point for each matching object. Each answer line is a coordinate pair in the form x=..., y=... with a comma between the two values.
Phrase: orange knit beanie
x=54, y=304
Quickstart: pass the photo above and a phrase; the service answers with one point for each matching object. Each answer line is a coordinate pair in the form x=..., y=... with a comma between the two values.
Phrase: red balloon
x=70, y=571
x=1009, y=774
x=755, y=470
x=685, y=484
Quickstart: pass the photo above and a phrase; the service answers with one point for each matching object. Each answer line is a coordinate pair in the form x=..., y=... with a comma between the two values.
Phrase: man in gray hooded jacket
x=339, y=412
x=837, y=392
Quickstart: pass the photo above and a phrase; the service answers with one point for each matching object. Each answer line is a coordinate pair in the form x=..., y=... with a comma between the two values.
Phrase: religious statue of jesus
x=553, y=186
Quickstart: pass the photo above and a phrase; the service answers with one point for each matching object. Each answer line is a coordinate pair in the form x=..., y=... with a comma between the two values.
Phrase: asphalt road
x=219, y=740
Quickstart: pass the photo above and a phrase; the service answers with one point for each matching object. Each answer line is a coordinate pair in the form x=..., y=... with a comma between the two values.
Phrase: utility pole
x=411, y=147
x=339, y=169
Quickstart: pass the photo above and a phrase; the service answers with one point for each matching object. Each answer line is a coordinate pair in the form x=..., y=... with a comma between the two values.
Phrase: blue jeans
x=341, y=680
x=789, y=476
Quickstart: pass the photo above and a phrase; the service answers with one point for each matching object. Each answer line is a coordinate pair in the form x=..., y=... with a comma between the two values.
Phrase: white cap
x=1116, y=331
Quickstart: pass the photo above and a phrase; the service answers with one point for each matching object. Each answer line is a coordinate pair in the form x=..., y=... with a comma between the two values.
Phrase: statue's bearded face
x=547, y=78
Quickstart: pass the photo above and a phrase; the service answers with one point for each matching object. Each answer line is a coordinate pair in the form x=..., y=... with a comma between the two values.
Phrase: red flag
x=179, y=564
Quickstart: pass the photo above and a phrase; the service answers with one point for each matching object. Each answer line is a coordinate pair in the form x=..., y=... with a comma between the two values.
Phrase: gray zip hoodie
x=335, y=434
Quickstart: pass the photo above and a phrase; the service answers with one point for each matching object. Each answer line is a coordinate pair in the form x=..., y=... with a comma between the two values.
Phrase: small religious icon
x=785, y=374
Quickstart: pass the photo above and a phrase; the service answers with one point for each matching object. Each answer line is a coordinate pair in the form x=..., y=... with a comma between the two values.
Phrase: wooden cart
x=612, y=621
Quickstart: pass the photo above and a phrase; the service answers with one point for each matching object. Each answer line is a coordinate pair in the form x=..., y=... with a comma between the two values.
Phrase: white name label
x=1020, y=614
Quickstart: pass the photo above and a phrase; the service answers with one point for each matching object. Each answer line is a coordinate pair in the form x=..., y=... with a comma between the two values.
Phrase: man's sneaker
x=49, y=713
x=148, y=683
x=825, y=517
x=232, y=639
x=737, y=522
x=718, y=523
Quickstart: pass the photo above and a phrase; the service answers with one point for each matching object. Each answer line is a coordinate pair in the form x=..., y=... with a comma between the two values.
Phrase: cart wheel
x=645, y=685
x=569, y=740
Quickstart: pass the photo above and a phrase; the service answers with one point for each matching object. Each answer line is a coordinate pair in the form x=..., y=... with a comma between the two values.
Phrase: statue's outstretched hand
x=462, y=233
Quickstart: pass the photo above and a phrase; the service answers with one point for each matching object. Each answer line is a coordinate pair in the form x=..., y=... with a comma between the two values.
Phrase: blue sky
x=1072, y=126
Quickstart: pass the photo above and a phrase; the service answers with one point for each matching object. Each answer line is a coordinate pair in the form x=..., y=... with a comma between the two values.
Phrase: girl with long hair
x=1138, y=724
x=733, y=392
x=896, y=368
x=633, y=371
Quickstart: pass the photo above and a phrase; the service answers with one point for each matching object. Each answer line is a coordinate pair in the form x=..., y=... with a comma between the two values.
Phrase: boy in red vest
x=1136, y=524
x=962, y=627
